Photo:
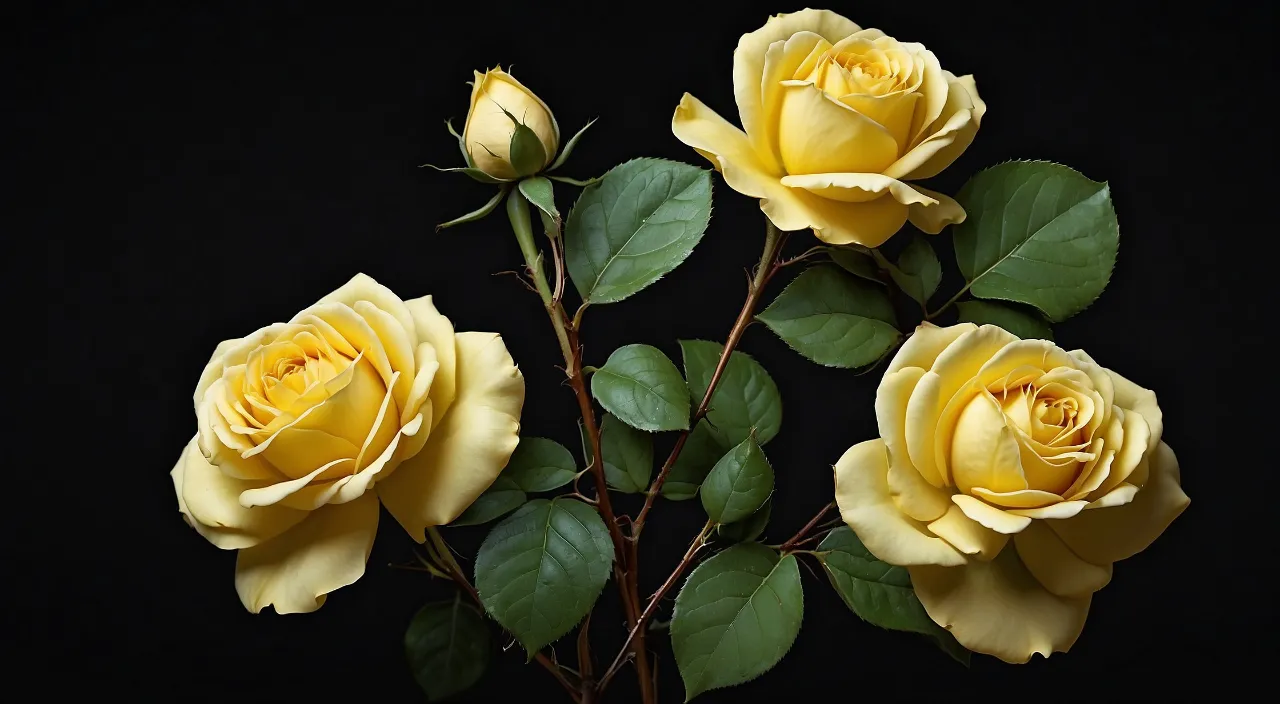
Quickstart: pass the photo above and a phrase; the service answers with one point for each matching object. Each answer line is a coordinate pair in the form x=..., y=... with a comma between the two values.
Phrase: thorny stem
x=799, y=537
x=768, y=266
x=441, y=551
x=570, y=348
x=655, y=600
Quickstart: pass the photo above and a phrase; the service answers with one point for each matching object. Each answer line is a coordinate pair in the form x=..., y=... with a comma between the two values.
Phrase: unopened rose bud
x=510, y=132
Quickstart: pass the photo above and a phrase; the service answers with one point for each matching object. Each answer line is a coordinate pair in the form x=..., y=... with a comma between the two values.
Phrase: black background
x=197, y=173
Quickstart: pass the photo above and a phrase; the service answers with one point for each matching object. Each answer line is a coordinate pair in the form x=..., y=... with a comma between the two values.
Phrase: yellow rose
x=836, y=118
x=305, y=425
x=1009, y=476
x=497, y=98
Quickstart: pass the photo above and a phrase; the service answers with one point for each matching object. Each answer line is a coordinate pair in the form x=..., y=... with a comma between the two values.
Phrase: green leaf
x=735, y=617
x=833, y=319
x=745, y=398
x=570, y=146
x=447, y=644
x=739, y=484
x=476, y=214
x=539, y=464
x=528, y=154
x=643, y=388
x=628, y=455
x=538, y=190
x=540, y=571
x=475, y=174
x=749, y=528
x=856, y=262
x=1024, y=324
x=1037, y=233
x=701, y=451
x=918, y=271
x=879, y=593
x=640, y=221
x=502, y=497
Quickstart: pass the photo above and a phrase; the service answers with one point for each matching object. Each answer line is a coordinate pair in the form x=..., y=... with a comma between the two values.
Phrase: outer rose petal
x=969, y=536
x=749, y=62
x=728, y=149
x=862, y=493
x=1130, y=395
x=465, y=453
x=925, y=344
x=998, y=608
x=958, y=124
x=434, y=328
x=916, y=497
x=930, y=219
x=362, y=287
x=222, y=520
x=1053, y=564
x=1106, y=535
x=857, y=187
x=295, y=570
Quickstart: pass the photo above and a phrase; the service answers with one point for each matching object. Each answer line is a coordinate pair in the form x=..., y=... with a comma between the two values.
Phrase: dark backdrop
x=197, y=173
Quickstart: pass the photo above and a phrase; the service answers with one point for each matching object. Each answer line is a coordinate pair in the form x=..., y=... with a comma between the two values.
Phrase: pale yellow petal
x=953, y=370
x=990, y=516
x=467, y=450
x=427, y=365
x=297, y=569
x=957, y=126
x=362, y=287
x=749, y=61
x=984, y=449
x=1024, y=498
x=916, y=497
x=434, y=328
x=399, y=344
x=782, y=59
x=930, y=218
x=935, y=89
x=728, y=149
x=1062, y=509
x=924, y=345
x=817, y=134
x=1129, y=395
x=893, y=111
x=862, y=493
x=967, y=535
x=210, y=501
x=857, y=188
x=998, y=608
x=1053, y=564
x=1136, y=433
x=1107, y=535
x=230, y=353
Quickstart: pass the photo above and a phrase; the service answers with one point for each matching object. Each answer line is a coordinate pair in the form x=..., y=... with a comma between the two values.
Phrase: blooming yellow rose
x=305, y=425
x=1009, y=476
x=496, y=98
x=836, y=118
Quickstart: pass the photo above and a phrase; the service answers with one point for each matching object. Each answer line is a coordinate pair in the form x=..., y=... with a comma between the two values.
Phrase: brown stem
x=800, y=534
x=571, y=350
x=654, y=601
x=765, y=270
x=456, y=573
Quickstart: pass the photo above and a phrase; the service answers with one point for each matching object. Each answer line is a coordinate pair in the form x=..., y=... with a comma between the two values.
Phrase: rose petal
x=781, y=62
x=209, y=500
x=1107, y=535
x=999, y=608
x=957, y=125
x=967, y=535
x=362, y=287
x=925, y=344
x=1053, y=564
x=856, y=188
x=296, y=570
x=1129, y=395
x=916, y=497
x=817, y=134
x=862, y=493
x=930, y=218
x=1000, y=521
x=1133, y=446
x=434, y=328
x=749, y=60
x=467, y=450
